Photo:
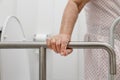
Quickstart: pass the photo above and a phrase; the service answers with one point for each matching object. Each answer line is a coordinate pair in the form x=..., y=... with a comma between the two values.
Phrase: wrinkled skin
x=59, y=44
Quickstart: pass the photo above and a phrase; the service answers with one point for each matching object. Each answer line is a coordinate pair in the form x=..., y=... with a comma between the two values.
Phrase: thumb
x=69, y=50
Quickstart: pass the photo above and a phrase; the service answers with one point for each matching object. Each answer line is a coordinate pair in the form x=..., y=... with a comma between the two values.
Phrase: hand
x=59, y=43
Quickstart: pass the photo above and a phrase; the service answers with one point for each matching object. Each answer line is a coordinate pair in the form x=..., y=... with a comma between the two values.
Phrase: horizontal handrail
x=76, y=45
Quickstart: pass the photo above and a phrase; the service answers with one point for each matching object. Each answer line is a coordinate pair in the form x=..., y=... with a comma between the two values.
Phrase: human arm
x=70, y=15
x=59, y=42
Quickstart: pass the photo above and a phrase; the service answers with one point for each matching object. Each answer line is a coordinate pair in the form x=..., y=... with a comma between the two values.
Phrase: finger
x=58, y=45
x=69, y=51
x=48, y=43
x=53, y=45
x=63, y=47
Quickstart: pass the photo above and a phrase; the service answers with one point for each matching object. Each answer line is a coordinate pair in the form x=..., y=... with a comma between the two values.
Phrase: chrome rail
x=76, y=45
x=112, y=35
x=112, y=29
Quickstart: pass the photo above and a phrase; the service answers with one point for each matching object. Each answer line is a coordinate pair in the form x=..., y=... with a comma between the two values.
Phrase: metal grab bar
x=42, y=46
x=112, y=29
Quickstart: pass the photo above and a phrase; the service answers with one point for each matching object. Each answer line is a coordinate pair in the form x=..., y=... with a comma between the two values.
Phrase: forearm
x=70, y=16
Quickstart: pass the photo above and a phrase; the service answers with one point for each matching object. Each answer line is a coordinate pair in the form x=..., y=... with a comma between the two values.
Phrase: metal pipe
x=112, y=36
x=112, y=29
x=42, y=63
x=76, y=45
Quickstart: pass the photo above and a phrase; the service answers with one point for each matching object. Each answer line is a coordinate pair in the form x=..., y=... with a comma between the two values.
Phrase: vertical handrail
x=112, y=29
x=42, y=63
x=112, y=36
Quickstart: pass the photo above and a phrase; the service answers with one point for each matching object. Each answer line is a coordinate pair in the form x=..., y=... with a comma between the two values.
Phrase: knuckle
x=63, y=45
x=53, y=42
x=65, y=42
x=57, y=43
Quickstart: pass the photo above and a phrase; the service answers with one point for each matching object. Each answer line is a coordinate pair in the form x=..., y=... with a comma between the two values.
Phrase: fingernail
x=62, y=54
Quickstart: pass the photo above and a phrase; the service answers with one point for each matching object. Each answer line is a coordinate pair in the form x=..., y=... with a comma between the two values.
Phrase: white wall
x=36, y=17
x=44, y=16
x=7, y=8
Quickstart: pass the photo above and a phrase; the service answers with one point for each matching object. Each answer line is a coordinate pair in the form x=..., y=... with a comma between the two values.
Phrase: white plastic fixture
x=14, y=64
